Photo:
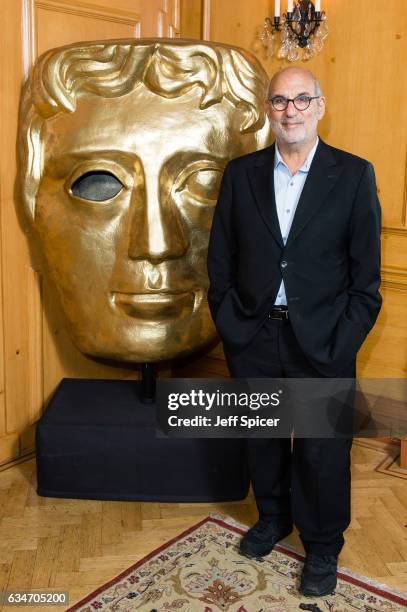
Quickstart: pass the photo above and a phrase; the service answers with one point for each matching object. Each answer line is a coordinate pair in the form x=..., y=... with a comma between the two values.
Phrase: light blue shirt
x=287, y=189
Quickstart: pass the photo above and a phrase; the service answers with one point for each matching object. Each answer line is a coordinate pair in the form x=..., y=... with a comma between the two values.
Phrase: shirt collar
x=307, y=163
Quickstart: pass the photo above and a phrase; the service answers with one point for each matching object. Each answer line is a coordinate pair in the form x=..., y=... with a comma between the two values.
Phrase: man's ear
x=321, y=107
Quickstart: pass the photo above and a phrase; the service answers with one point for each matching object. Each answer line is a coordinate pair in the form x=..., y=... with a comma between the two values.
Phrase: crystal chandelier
x=303, y=30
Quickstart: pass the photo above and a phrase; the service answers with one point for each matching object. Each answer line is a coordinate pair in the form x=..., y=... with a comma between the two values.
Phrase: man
x=294, y=267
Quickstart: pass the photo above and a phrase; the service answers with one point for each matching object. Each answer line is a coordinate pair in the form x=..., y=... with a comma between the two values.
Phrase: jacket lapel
x=261, y=178
x=322, y=176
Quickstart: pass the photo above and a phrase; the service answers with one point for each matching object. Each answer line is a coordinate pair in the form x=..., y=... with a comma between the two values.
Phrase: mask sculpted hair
x=111, y=69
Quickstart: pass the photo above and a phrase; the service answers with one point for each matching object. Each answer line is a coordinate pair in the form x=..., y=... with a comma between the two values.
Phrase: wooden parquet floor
x=77, y=545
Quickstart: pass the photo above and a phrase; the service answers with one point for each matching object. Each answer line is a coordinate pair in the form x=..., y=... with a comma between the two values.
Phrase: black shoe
x=318, y=575
x=262, y=537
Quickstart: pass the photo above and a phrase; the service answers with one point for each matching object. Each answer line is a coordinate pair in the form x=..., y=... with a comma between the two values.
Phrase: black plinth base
x=97, y=440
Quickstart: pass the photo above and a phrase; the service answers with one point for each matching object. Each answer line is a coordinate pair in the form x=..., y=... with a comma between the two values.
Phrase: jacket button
x=284, y=264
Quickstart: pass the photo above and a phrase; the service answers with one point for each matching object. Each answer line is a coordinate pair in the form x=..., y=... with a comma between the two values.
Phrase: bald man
x=294, y=268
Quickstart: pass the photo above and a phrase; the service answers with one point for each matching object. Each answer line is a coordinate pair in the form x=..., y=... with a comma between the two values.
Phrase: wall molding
x=206, y=20
x=12, y=462
x=176, y=12
x=395, y=231
x=171, y=19
x=95, y=11
x=28, y=37
x=394, y=278
x=404, y=212
x=160, y=22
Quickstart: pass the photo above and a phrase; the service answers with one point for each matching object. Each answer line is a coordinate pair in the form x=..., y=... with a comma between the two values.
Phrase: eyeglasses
x=301, y=103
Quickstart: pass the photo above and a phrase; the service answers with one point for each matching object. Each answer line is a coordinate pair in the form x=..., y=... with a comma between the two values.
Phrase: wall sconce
x=303, y=30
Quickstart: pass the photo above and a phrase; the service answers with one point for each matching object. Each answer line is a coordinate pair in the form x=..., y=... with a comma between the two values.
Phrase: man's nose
x=291, y=110
x=156, y=230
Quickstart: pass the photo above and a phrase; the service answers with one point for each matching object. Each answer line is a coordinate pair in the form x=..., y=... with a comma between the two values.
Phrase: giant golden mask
x=122, y=146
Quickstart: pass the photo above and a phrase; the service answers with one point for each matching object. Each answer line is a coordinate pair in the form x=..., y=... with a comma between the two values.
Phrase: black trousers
x=308, y=484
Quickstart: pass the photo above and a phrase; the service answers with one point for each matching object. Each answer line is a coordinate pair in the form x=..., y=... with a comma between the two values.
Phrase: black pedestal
x=97, y=440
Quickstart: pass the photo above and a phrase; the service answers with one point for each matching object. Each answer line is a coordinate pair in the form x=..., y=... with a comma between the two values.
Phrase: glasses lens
x=302, y=102
x=279, y=103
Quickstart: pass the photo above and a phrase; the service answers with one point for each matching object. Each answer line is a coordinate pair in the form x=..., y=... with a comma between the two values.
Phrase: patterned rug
x=202, y=571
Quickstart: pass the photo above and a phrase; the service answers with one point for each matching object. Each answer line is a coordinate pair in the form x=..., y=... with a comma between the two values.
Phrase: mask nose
x=156, y=229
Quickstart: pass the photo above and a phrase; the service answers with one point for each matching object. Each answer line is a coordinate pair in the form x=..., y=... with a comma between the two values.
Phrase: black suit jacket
x=330, y=263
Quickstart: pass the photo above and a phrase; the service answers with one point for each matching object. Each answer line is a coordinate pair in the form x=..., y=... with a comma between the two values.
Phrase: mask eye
x=200, y=184
x=203, y=186
x=97, y=186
